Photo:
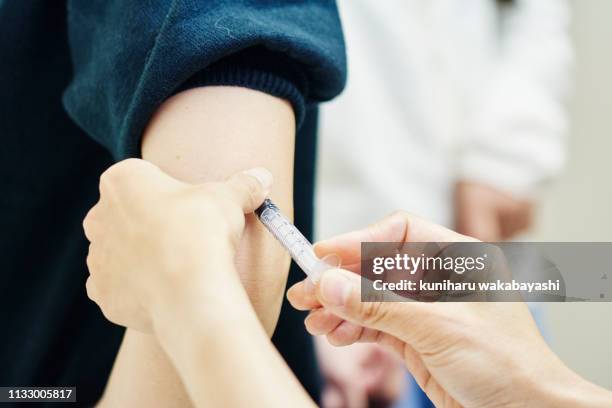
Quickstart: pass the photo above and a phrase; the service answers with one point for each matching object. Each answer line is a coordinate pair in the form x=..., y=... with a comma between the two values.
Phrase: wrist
x=560, y=387
x=578, y=393
x=197, y=328
x=198, y=295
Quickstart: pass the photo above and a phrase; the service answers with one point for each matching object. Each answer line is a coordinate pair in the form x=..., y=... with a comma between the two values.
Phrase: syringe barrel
x=290, y=237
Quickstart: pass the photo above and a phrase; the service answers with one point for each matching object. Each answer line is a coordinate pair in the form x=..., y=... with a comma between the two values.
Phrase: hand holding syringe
x=293, y=241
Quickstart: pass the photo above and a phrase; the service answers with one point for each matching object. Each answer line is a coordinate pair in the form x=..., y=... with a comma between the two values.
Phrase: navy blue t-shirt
x=78, y=82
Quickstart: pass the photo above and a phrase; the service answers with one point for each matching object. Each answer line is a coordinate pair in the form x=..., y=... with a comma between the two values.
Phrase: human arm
x=461, y=354
x=192, y=139
x=515, y=126
x=161, y=259
x=228, y=359
x=129, y=59
x=488, y=213
x=207, y=134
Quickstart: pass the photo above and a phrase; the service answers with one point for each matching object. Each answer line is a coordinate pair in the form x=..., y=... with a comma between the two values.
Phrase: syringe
x=295, y=243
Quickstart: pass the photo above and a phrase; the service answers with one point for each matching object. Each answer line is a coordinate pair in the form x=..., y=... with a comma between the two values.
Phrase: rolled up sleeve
x=128, y=57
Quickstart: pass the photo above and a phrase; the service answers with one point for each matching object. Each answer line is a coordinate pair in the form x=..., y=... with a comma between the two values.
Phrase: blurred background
x=427, y=104
x=578, y=206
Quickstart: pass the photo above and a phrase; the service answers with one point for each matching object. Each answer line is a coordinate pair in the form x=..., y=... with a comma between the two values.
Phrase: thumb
x=340, y=292
x=249, y=188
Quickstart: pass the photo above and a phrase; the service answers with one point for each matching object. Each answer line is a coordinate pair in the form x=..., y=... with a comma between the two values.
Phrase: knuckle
x=108, y=181
x=88, y=221
x=92, y=259
x=105, y=181
x=120, y=170
x=128, y=165
x=88, y=261
x=87, y=227
x=132, y=162
x=373, y=313
x=90, y=288
x=110, y=172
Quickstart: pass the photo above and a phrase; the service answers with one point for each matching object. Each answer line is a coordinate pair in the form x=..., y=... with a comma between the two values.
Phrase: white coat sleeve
x=516, y=128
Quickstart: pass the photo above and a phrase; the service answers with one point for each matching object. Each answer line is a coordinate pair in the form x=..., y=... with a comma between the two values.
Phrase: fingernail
x=335, y=288
x=316, y=245
x=262, y=175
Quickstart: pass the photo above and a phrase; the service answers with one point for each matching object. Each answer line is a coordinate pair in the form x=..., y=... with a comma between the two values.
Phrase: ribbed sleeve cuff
x=260, y=70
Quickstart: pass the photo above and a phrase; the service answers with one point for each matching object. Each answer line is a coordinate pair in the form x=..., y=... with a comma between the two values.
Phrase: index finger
x=398, y=227
x=348, y=246
x=302, y=296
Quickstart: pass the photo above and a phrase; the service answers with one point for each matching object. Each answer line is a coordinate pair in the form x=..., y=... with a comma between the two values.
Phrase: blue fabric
x=128, y=59
x=78, y=82
x=413, y=396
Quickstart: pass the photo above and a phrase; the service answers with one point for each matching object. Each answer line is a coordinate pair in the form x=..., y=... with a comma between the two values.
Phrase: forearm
x=561, y=387
x=143, y=376
x=586, y=395
x=238, y=366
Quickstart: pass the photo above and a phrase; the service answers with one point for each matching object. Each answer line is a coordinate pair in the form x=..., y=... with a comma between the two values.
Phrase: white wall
x=579, y=207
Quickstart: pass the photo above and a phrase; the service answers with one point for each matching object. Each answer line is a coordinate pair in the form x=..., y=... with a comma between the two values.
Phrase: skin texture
x=182, y=282
x=200, y=135
x=491, y=215
x=135, y=196
x=207, y=134
x=461, y=354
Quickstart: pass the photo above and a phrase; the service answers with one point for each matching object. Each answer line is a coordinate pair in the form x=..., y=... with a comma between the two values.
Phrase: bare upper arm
x=207, y=134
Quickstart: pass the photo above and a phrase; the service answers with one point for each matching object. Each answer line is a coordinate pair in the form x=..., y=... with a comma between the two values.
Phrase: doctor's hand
x=461, y=354
x=156, y=242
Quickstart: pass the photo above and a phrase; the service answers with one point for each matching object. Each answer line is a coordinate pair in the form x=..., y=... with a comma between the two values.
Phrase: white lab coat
x=440, y=90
